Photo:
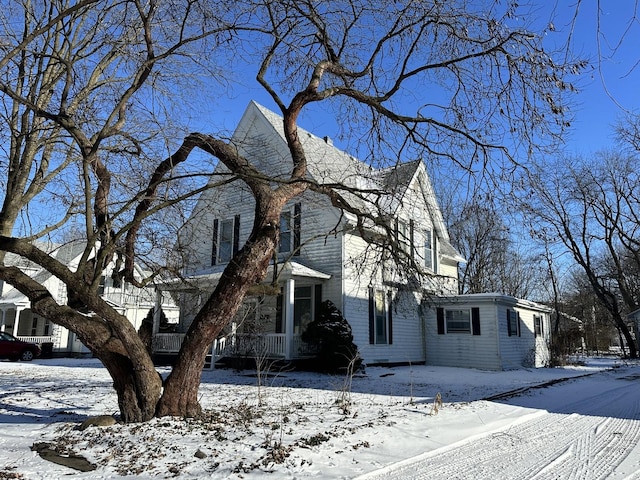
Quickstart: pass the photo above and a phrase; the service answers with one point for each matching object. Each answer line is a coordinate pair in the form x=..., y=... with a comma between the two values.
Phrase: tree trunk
x=248, y=267
x=622, y=327
x=109, y=335
x=134, y=407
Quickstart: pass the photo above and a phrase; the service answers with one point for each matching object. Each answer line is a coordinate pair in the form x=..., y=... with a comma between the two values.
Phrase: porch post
x=289, y=293
x=156, y=313
x=16, y=322
x=1, y=320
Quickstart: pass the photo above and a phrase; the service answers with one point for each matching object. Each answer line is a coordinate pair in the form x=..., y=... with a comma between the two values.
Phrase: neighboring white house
x=17, y=318
x=323, y=256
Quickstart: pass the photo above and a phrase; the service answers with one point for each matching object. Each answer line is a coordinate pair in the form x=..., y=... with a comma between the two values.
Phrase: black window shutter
x=279, y=319
x=236, y=234
x=440, y=319
x=517, y=315
x=214, y=247
x=475, y=321
x=317, y=299
x=372, y=313
x=509, y=322
x=390, y=317
x=542, y=325
x=297, y=222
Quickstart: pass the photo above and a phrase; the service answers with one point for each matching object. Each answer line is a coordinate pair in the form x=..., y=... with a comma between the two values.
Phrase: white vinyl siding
x=457, y=349
x=523, y=349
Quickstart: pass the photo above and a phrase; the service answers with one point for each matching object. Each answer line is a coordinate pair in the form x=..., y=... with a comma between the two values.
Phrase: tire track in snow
x=589, y=445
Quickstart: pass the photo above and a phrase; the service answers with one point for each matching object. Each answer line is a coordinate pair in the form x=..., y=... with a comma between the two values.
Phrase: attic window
x=430, y=251
x=404, y=236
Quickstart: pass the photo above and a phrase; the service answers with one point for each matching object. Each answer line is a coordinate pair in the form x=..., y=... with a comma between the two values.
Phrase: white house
x=323, y=256
x=17, y=318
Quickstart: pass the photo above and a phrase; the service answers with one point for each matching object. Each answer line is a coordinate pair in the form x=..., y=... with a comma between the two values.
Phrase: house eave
x=495, y=298
x=284, y=271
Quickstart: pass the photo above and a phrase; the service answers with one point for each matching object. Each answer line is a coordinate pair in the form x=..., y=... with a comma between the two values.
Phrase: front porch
x=269, y=323
x=272, y=346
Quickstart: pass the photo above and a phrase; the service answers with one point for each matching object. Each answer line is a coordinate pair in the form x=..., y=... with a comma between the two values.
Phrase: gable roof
x=330, y=165
x=325, y=162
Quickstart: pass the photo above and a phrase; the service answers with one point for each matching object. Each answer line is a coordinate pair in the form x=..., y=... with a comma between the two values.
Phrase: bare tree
x=82, y=89
x=495, y=260
x=450, y=80
x=590, y=207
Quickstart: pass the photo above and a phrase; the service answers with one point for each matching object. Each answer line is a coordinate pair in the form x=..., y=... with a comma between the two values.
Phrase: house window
x=458, y=321
x=380, y=317
x=430, y=251
x=404, y=236
x=34, y=327
x=537, y=325
x=225, y=245
x=225, y=240
x=286, y=231
x=47, y=328
x=513, y=323
x=290, y=222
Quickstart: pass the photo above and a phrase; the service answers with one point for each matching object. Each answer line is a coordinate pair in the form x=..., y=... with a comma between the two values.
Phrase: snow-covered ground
x=387, y=423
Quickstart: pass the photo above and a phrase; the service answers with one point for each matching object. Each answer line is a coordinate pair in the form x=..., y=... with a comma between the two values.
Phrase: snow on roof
x=498, y=298
x=285, y=270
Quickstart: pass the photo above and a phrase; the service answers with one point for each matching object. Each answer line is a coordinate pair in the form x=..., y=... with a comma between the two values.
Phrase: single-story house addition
x=487, y=331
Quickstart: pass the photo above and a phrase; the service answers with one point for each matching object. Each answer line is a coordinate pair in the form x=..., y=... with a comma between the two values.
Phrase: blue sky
x=612, y=84
x=595, y=111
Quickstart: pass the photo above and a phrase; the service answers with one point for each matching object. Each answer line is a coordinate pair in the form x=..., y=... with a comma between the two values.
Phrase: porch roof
x=14, y=299
x=284, y=271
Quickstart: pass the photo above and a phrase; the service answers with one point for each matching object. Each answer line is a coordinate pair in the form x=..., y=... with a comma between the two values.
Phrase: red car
x=15, y=349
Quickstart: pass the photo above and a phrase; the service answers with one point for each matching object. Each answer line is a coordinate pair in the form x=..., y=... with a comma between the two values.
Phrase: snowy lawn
x=287, y=425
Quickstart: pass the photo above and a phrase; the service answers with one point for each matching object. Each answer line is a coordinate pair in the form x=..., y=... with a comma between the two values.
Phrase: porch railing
x=272, y=345
x=167, y=342
x=258, y=345
x=40, y=339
